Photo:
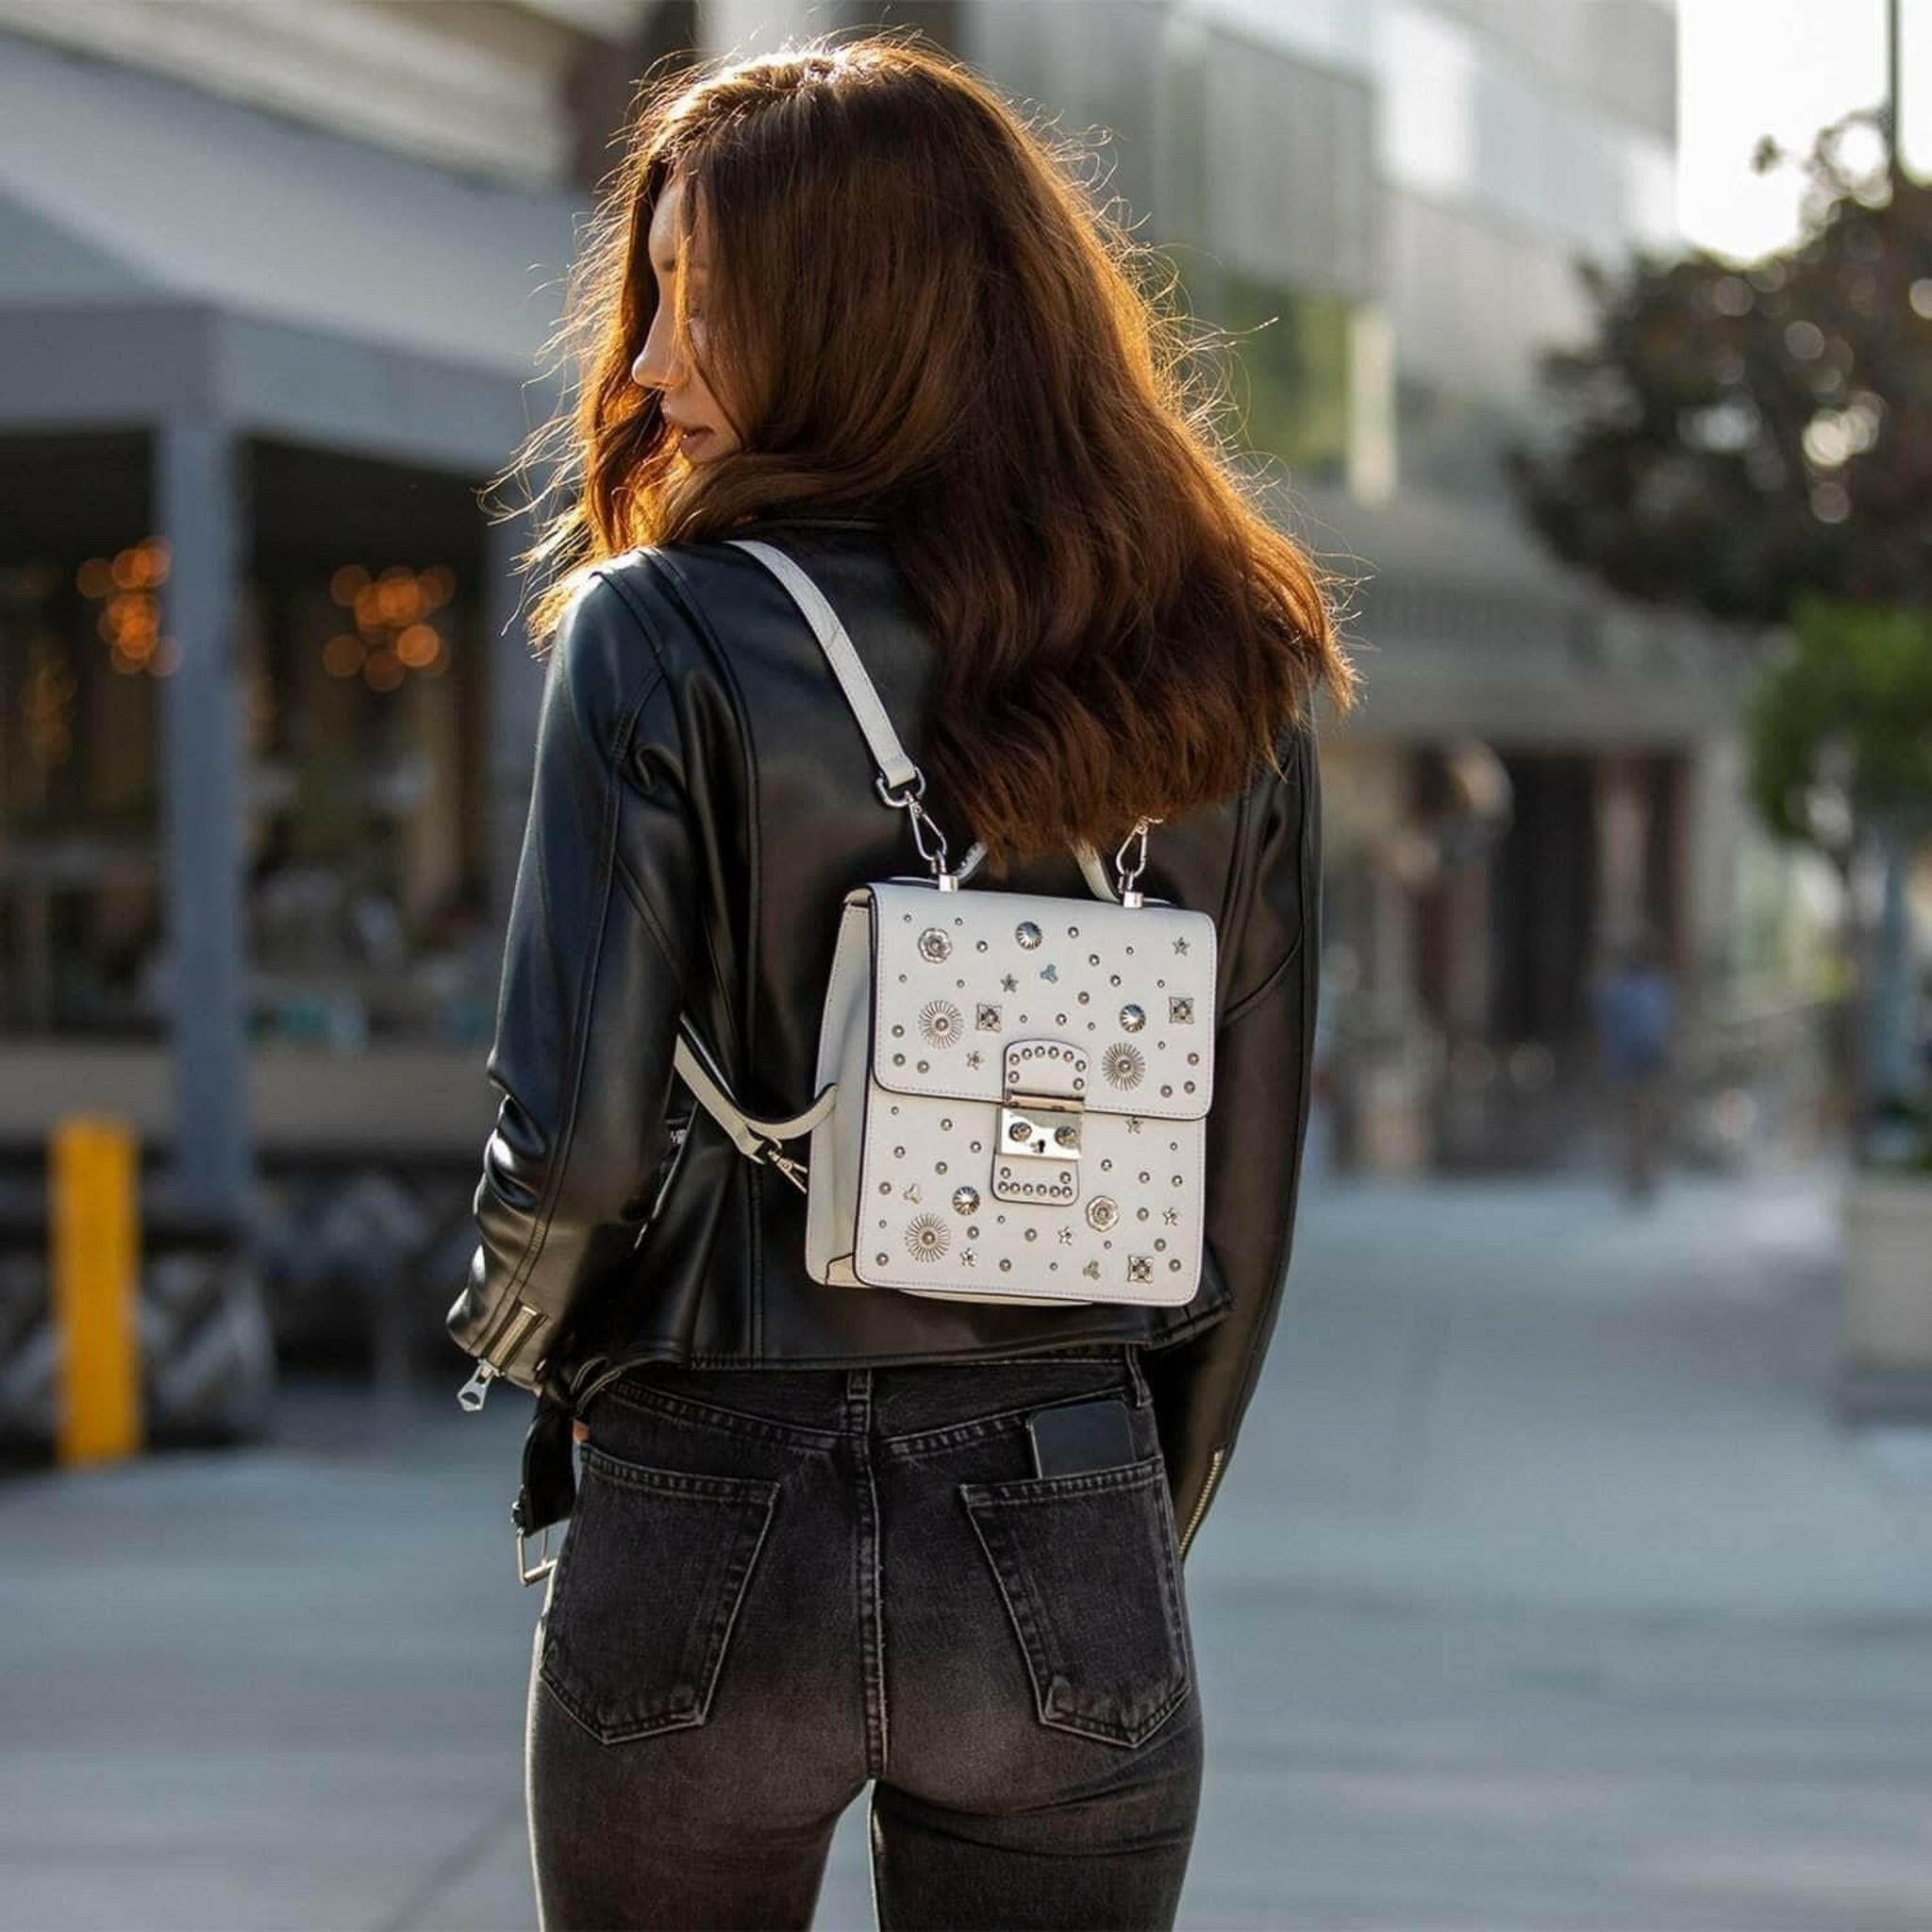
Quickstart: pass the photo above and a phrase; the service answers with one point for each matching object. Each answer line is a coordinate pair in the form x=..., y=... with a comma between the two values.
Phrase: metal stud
x=941, y=1021
x=1132, y=1018
x=1028, y=934
x=935, y=945
x=926, y=1236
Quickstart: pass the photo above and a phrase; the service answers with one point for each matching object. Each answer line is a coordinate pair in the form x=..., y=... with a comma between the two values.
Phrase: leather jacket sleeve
x=1258, y=1126
x=600, y=935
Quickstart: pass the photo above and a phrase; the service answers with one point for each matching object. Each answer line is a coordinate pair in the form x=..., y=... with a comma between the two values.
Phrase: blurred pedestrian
x=1634, y=1015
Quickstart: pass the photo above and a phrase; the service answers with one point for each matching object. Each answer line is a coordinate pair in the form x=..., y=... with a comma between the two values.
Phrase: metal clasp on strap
x=794, y=1170
x=1127, y=875
x=907, y=802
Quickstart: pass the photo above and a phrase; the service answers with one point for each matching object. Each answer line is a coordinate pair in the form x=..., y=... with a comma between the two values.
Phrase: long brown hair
x=918, y=313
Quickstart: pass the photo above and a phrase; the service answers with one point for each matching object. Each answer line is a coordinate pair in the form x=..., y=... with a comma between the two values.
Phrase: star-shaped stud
x=966, y=1258
x=1133, y=1124
x=1180, y=945
x=1172, y=1215
x=972, y=1059
x=1066, y=1236
x=1009, y=983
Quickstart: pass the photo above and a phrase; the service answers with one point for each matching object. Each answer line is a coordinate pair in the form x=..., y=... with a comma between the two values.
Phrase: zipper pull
x=476, y=1391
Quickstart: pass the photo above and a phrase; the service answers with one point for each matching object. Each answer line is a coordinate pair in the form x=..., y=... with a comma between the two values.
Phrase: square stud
x=1180, y=1012
x=988, y=1019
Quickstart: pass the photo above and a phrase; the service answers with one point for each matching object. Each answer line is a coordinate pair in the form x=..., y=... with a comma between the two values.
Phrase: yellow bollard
x=95, y=1275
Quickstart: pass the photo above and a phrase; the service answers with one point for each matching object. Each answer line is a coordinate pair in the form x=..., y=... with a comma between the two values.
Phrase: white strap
x=755, y=1138
x=750, y=1134
x=888, y=753
x=895, y=767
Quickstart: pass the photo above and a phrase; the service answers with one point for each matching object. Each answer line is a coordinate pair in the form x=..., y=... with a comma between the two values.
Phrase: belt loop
x=1137, y=1379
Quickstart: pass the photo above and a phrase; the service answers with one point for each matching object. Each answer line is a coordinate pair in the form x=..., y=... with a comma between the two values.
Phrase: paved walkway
x=1543, y=1591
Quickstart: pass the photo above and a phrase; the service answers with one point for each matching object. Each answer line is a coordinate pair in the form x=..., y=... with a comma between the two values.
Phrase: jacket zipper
x=1200, y=1509
x=476, y=1391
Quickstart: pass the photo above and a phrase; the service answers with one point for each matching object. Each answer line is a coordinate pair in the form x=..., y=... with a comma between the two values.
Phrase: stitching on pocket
x=647, y=1591
x=1097, y=1611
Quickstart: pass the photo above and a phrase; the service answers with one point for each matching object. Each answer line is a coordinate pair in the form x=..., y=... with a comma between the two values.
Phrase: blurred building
x=277, y=284
x=1383, y=201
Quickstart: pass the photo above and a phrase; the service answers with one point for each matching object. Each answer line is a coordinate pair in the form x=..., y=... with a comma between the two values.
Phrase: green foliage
x=1733, y=437
x=1293, y=351
x=1840, y=727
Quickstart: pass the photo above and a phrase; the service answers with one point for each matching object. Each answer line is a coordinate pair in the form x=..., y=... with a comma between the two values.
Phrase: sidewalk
x=1543, y=1591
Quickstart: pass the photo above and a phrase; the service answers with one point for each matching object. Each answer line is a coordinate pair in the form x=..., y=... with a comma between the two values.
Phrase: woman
x=844, y=300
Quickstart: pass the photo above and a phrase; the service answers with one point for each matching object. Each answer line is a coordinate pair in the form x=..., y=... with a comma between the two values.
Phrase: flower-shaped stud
x=926, y=1236
x=941, y=1023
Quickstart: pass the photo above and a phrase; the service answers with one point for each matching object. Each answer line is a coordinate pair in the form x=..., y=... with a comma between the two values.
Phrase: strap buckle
x=529, y=1572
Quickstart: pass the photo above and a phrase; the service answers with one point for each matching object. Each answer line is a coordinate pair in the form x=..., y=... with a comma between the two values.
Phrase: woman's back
x=703, y=800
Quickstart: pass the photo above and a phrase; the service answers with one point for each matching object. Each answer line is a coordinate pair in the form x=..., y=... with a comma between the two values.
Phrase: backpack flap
x=1041, y=1068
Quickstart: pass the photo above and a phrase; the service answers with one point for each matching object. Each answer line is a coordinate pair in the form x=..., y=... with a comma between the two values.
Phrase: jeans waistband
x=895, y=1399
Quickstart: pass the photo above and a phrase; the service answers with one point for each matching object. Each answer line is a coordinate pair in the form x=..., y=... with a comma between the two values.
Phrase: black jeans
x=778, y=1583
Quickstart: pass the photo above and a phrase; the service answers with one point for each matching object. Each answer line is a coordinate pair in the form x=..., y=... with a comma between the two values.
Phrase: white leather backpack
x=1012, y=1088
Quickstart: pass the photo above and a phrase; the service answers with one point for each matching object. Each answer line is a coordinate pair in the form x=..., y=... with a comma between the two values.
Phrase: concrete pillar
x=1623, y=827
x=202, y=513
x=515, y=686
x=1714, y=832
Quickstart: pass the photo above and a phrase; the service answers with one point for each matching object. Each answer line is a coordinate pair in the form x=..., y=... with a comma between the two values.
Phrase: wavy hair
x=918, y=313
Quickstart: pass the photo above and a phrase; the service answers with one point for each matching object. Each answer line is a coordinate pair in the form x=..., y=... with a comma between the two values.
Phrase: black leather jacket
x=702, y=801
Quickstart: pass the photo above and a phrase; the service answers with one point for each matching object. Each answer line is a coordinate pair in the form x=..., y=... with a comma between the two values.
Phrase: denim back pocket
x=1088, y=1566
x=654, y=1565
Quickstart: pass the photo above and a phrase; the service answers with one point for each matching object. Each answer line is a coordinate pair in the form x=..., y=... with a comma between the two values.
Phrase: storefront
x=266, y=705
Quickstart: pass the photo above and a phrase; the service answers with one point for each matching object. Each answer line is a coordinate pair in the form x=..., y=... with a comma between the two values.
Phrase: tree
x=1735, y=437
x=1756, y=443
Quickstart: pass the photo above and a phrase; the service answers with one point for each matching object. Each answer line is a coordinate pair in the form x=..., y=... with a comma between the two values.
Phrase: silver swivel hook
x=1127, y=875
x=923, y=824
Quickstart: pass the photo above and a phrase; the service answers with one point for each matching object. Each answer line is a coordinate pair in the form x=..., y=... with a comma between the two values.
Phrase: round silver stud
x=965, y=1200
x=1028, y=934
x=1132, y=1018
x=1123, y=1065
x=1102, y=1212
x=935, y=945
